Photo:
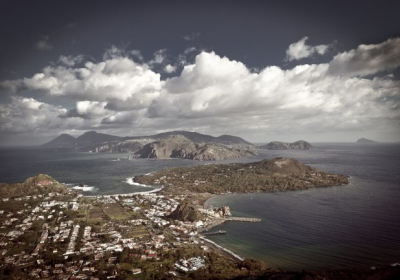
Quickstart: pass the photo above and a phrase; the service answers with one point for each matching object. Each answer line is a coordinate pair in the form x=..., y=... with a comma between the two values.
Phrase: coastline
x=221, y=250
x=126, y=194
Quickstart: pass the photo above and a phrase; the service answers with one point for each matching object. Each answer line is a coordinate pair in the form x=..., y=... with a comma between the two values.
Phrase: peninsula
x=279, y=174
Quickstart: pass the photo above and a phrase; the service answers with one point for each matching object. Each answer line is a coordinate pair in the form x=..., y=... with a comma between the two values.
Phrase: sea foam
x=130, y=181
x=85, y=188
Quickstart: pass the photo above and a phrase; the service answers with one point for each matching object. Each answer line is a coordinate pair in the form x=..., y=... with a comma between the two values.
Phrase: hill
x=366, y=141
x=40, y=184
x=186, y=212
x=279, y=174
x=64, y=141
x=198, y=137
x=276, y=145
x=178, y=146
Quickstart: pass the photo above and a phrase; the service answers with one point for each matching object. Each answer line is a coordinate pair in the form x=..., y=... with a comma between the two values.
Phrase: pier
x=243, y=219
x=215, y=232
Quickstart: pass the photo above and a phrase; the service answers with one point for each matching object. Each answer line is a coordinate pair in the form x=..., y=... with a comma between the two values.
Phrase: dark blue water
x=357, y=225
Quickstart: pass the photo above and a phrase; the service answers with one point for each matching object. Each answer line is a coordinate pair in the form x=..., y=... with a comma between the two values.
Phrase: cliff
x=178, y=146
x=276, y=145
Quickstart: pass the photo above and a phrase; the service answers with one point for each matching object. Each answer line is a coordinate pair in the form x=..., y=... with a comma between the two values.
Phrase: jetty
x=215, y=232
x=243, y=219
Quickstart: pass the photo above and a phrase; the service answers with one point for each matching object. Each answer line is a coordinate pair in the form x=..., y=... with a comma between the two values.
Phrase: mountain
x=92, y=138
x=40, y=184
x=276, y=145
x=64, y=141
x=84, y=142
x=178, y=146
x=366, y=141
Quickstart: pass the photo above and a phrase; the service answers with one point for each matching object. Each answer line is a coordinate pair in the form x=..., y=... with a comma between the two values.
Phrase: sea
x=351, y=226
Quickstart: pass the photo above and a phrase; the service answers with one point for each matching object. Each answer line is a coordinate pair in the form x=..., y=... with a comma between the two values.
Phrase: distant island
x=276, y=145
x=174, y=144
x=178, y=146
x=366, y=141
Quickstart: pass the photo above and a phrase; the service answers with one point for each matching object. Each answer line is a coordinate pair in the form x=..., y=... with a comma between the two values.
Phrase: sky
x=321, y=71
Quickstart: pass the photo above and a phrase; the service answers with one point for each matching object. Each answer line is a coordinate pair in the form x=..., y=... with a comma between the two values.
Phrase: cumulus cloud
x=30, y=115
x=115, y=78
x=213, y=94
x=170, y=68
x=300, y=50
x=86, y=110
x=367, y=59
x=43, y=44
x=70, y=60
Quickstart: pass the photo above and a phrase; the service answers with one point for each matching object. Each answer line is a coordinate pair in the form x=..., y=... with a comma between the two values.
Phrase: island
x=365, y=141
x=51, y=231
x=179, y=146
x=276, y=145
x=174, y=144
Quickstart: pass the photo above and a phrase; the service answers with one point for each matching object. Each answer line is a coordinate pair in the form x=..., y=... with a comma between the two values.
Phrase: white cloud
x=213, y=94
x=28, y=114
x=367, y=59
x=137, y=53
x=116, y=78
x=300, y=50
x=189, y=50
x=192, y=36
x=43, y=44
x=159, y=57
x=70, y=60
x=170, y=68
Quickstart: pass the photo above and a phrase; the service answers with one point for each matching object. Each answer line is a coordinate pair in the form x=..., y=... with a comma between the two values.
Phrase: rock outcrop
x=222, y=212
x=186, y=212
x=276, y=145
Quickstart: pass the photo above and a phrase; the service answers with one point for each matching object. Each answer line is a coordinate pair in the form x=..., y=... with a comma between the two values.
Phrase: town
x=70, y=236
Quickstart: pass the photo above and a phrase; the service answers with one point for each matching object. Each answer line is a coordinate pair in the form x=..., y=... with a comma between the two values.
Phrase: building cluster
x=191, y=264
x=53, y=237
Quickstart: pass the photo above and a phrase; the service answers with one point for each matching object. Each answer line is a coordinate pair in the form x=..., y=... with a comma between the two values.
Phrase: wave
x=85, y=188
x=130, y=181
